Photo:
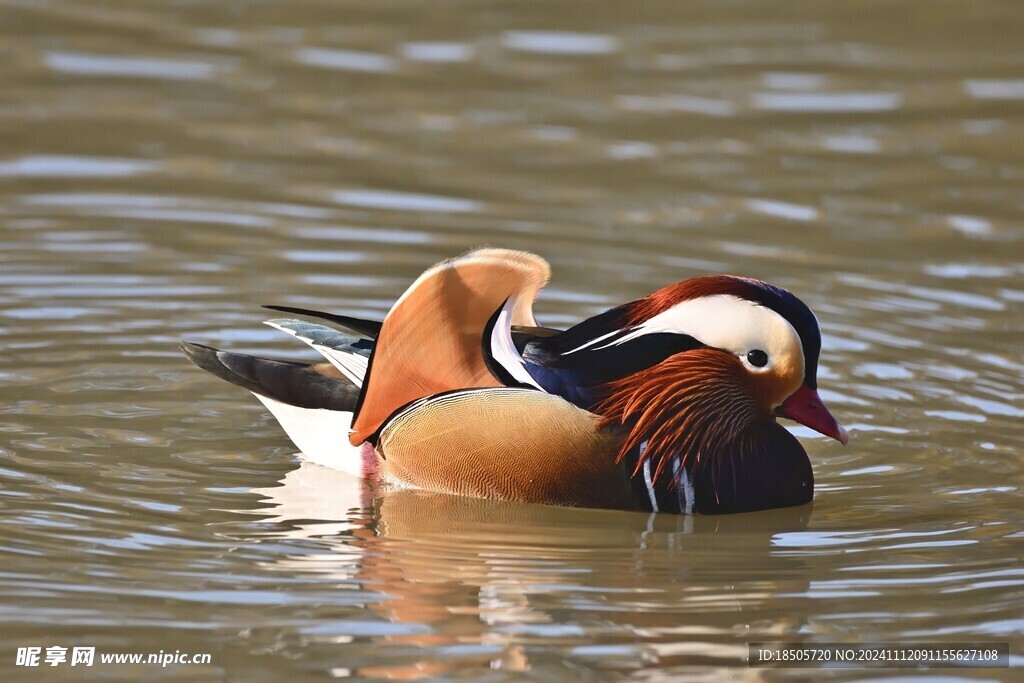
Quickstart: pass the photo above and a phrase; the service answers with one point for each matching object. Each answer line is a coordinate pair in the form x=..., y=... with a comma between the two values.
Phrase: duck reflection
x=467, y=580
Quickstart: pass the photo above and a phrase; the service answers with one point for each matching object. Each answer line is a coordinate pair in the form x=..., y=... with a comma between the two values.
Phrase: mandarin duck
x=666, y=404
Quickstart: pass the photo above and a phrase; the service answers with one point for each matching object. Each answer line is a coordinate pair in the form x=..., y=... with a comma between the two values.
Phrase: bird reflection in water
x=455, y=580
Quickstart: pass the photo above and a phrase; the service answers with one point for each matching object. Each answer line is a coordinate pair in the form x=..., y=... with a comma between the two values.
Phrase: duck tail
x=313, y=402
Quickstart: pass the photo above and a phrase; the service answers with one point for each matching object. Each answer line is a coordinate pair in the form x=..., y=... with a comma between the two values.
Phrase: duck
x=669, y=403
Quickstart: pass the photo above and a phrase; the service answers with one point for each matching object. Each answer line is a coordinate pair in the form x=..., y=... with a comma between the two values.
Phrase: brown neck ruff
x=693, y=405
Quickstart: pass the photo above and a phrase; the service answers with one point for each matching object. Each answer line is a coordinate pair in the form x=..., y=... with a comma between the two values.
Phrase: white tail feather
x=321, y=435
x=352, y=365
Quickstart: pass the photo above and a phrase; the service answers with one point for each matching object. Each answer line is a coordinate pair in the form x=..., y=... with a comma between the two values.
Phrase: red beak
x=805, y=406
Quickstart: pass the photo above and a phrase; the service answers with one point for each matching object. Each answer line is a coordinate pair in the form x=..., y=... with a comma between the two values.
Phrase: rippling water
x=168, y=167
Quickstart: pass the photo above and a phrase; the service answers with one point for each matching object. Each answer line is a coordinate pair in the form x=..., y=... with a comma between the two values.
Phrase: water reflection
x=459, y=579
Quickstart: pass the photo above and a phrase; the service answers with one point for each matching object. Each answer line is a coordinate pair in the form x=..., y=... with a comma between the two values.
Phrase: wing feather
x=349, y=354
x=432, y=339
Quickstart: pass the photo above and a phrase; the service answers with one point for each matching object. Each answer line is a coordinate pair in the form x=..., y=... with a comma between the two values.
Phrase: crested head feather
x=781, y=301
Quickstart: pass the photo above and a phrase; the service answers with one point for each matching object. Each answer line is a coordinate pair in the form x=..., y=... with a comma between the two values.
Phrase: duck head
x=696, y=375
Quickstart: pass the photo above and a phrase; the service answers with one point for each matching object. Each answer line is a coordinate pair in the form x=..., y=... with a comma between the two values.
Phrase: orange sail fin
x=432, y=339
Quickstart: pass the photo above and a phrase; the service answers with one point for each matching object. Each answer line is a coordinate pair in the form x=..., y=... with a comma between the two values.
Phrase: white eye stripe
x=729, y=323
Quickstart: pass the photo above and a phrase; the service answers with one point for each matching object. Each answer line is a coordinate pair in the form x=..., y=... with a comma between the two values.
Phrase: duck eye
x=757, y=358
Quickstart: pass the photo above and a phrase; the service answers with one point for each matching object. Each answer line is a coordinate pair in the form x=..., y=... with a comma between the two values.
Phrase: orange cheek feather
x=687, y=406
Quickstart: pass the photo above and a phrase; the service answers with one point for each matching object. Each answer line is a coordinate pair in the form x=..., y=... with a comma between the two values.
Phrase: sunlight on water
x=827, y=102
x=128, y=67
x=73, y=167
x=560, y=42
x=345, y=60
x=404, y=201
x=438, y=52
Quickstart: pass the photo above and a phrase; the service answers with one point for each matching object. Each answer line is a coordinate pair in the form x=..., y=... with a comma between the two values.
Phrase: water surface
x=168, y=167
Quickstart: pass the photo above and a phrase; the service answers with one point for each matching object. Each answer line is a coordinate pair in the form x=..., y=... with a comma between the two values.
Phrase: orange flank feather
x=507, y=443
x=700, y=397
x=430, y=341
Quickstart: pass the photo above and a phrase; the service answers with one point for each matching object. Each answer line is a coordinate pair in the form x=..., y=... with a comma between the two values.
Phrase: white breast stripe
x=352, y=365
x=685, y=493
x=503, y=350
x=648, y=481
